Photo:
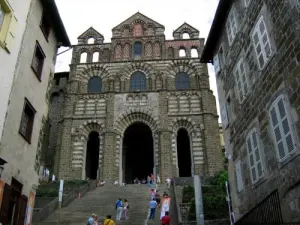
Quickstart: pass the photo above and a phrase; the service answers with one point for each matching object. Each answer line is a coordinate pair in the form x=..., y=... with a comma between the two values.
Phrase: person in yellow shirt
x=108, y=221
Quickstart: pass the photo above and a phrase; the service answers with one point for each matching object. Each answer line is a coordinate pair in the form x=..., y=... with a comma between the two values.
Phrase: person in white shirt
x=168, y=180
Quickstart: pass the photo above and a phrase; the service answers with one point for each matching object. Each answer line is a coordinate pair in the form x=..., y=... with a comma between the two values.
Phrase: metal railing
x=267, y=212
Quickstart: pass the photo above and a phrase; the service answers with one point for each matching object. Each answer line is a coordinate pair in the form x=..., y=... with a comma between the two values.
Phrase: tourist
x=125, y=210
x=136, y=181
x=97, y=220
x=152, y=178
x=157, y=199
x=153, y=206
x=157, y=179
x=149, y=180
x=165, y=205
x=119, y=208
x=168, y=181
x=166, y=220
x=91, y=219
x=108, y=221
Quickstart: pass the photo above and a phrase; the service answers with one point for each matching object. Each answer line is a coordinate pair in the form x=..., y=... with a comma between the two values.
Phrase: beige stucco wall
x=8, y=59
x=19, y=154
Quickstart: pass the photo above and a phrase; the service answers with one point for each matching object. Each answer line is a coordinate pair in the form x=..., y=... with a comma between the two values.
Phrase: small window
x=241, y=80
x=194, y=53
x=27, y=121
x=182, y=81
x=8, y=25
x=254, y=156
x=83, y=57
x=138, y=81
x=281, y=124
x=91, y=41
x=182, y=52
x=231, y=26
x=137, y=49
x=261, y=42
x=185, y=36
x=95, y=85
x=239, y=177
x=95, y=56
x=38, y=61
x=170, y=52
x=45, y=26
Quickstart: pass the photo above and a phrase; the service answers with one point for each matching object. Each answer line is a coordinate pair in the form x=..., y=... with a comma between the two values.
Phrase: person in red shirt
x=166, y=220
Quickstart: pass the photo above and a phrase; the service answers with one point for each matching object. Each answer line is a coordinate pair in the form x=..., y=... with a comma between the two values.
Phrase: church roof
x=185, y=26
x=138, y=16
x=90, y=31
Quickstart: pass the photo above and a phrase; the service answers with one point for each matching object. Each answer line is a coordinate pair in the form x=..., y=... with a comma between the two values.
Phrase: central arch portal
x=138, y=152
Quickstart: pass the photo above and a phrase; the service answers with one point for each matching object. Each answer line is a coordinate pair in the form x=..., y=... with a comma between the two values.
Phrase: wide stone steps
x=102, y=201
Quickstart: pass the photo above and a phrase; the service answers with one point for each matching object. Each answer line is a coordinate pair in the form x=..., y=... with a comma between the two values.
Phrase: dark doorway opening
x=92, y=156
x=137, y=152
x=184, y=153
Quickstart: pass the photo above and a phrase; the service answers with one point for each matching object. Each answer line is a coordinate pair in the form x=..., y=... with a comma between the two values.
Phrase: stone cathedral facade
x=139, y=77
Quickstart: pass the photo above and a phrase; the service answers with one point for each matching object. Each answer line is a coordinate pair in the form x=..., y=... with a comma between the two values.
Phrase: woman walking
x=125, y=210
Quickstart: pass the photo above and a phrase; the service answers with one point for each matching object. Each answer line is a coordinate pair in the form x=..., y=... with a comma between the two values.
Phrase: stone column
x=165, y=155
x=110, y=171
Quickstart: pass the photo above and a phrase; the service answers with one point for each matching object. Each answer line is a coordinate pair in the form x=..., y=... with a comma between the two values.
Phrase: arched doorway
x=92, y=156
x=137, y=152
x=184, y=153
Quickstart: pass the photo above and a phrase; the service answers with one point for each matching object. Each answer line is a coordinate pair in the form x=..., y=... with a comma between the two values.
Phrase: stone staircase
x=101, y=201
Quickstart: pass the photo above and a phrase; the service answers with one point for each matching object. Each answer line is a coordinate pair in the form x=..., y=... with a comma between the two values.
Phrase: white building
x=26, y=104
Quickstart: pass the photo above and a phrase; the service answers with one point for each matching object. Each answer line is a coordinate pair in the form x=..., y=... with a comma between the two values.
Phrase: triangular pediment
x=91, y=32
x=138, y=17
x=185, y=27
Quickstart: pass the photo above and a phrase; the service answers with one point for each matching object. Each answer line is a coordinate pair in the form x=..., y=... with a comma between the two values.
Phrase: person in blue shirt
x=153, y=205
x=119, y=208
x=91, y=219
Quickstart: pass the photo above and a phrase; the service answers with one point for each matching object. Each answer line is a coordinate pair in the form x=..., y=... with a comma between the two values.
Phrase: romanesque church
x=137, y=105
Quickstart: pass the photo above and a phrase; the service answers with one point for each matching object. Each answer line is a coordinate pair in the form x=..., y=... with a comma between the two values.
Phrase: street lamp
x=2, y=162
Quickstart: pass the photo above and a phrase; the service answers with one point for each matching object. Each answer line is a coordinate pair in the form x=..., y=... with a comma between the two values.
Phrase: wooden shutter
x=217, y=64
x=5, y=203
x=11, y=35
x=239, y=178
x=224, y=115
x=281, y=126
x=22, y=210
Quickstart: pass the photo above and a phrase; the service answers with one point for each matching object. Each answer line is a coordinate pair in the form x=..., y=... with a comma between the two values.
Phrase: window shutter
x=239, y=178
x=239, y=85
x=5, y=203
x=11, y=33
x=217, y=64
x=22, y=210
x=281, y=126
x=224, y=115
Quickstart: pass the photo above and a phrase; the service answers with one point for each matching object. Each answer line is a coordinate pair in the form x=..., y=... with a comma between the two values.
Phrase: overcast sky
x=103, y=15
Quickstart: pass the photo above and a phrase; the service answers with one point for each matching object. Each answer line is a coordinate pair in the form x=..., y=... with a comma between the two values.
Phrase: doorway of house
x=137, y=152
x=92, y=156
x=184, y=153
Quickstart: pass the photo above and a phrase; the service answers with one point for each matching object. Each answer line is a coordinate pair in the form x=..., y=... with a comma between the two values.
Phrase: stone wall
x=278, y=76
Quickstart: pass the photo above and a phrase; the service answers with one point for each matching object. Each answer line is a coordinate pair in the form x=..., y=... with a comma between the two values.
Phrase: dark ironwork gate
x=267, y=212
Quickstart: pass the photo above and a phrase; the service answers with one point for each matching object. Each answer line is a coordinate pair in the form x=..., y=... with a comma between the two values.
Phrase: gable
x=91, y=32
x=185, y=27
x=138, y=17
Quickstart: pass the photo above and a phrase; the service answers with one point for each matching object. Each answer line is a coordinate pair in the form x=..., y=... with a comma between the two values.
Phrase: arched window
x=137, y=49
x=83, y=57
x=95, y=85
x=182, y=52
x=182, y=81
x=185, y=36
x=91, y=41
x=95, y=56
x=194, y=53
x=138, y=81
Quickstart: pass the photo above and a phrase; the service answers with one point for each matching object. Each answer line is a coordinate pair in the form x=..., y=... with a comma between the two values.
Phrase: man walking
x=119, y=208
x=166, y=220
x=153, y=206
